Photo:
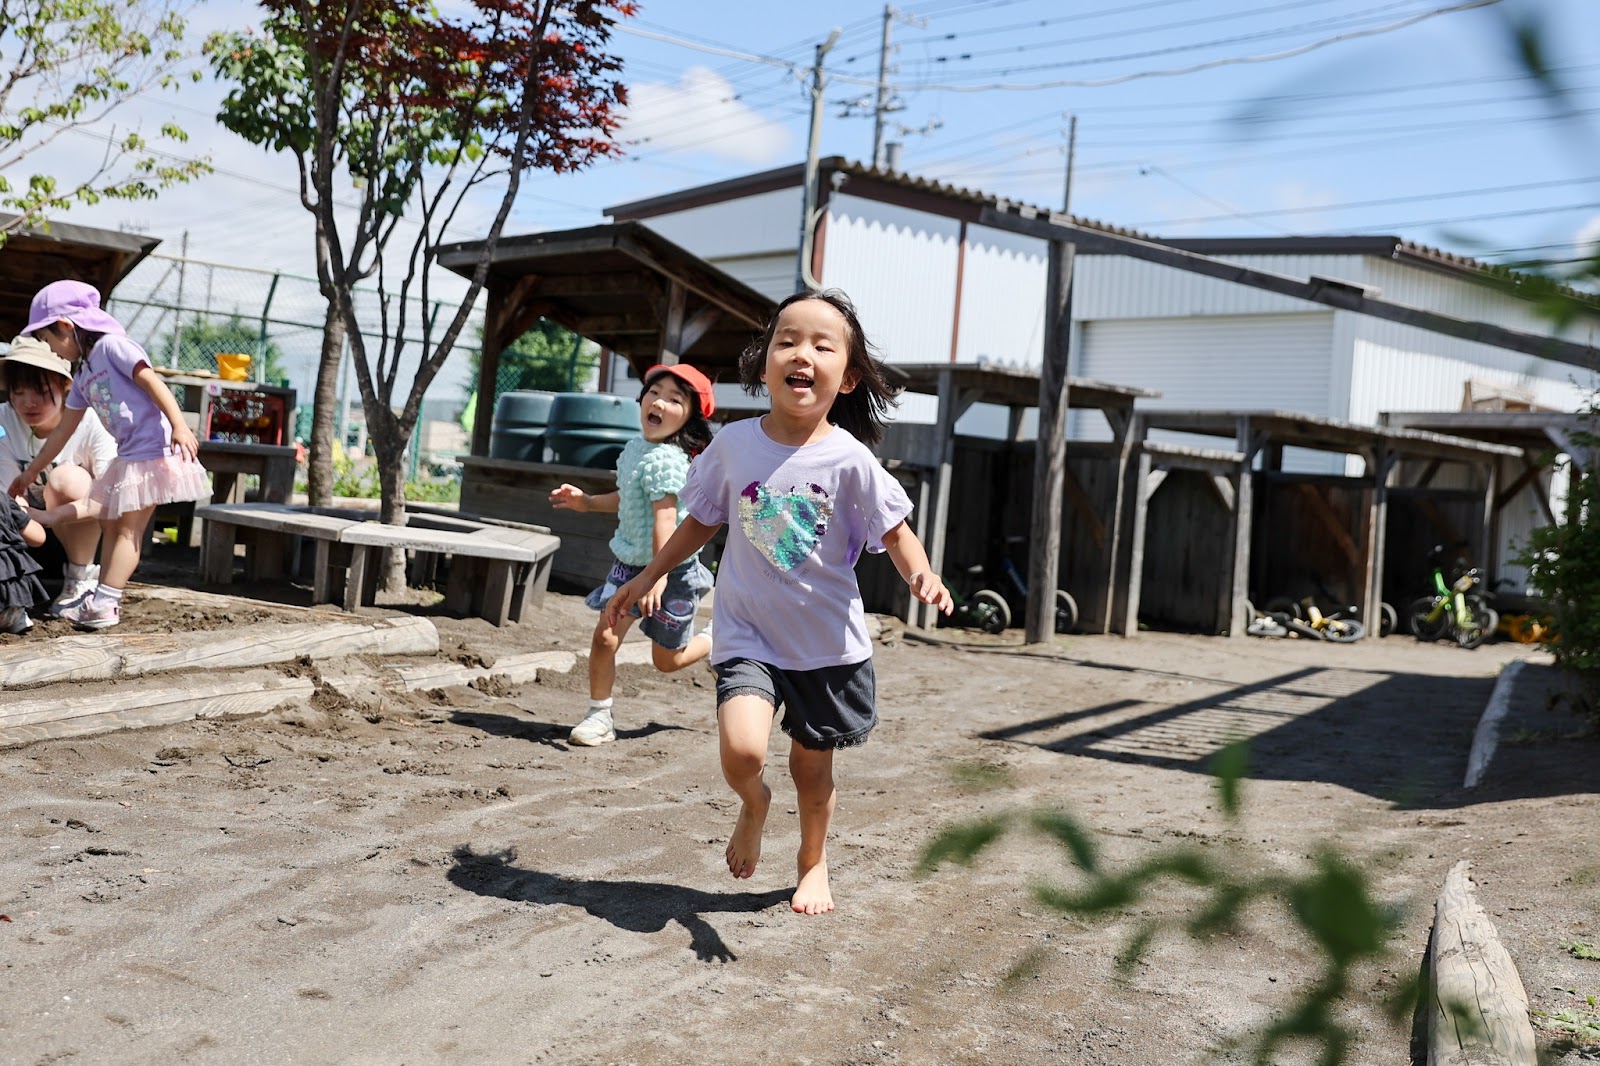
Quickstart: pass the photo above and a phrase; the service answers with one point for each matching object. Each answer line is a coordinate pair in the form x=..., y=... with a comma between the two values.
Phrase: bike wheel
x=1417, y=619
x=1066, y=612
x=990, y=609
x=1343, y=630
x=1481, y=629
x=1388, y=619
x=1303, y=628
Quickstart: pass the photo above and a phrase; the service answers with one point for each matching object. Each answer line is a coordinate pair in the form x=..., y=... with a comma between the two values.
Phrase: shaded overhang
x=1011, y=386
x=621, y=285
x=1328, y=435
x=30, y=259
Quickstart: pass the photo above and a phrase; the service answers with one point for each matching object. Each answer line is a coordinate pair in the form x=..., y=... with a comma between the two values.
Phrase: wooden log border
x=1478, y=1010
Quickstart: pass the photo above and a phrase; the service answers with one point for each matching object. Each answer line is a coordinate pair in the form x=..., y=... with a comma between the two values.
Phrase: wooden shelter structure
x=992, y=481
x=30, y=259
x=1221, y=529
x=623, y=286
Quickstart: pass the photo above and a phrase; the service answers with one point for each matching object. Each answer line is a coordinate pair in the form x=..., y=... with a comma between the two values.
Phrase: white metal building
x=932, y=285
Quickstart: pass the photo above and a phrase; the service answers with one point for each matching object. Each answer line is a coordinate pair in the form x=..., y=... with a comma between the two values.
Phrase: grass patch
x=1582, y=949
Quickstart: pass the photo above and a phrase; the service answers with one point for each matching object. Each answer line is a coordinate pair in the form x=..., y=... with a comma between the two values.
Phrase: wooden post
x=495, y=312
x=1381, y=463
x=1050, y=456
x=1489, y=548
x=949, y=411
x=1131, y=560
x=1231, y=613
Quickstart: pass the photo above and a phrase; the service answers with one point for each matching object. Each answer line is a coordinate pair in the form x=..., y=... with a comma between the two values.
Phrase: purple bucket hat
x=74, y=301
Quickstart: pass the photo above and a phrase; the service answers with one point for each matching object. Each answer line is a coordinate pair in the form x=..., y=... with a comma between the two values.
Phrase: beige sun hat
x=30, y=351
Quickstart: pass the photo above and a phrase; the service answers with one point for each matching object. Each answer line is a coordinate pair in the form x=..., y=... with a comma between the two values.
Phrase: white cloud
x=700, y=113
x=1588, y=237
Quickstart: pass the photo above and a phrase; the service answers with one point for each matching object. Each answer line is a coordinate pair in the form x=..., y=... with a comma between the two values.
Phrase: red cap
x=698, y=383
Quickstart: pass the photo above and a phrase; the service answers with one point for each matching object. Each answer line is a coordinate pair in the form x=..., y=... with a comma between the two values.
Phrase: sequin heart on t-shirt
x=784, y=526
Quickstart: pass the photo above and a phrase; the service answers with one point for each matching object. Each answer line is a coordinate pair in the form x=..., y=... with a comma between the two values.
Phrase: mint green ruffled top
x=645, y=473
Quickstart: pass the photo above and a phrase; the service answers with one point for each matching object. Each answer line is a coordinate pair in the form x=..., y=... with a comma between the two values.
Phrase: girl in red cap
x=651, y=470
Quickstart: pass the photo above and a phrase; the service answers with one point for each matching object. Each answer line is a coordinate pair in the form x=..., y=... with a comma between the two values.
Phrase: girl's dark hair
x=695, y=433
x=859, y=412
x=15, y=376
x=86, y=341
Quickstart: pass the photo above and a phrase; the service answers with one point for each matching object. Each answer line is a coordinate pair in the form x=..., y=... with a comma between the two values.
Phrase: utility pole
x=882, y=106
x=177, y=318
x=803, y=278
x=1072, y=152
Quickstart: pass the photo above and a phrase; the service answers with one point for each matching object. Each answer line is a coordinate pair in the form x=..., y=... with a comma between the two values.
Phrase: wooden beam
x=1131, y=560
x=633, y=282
x=1425, y=478
x=1478, y=1012
x=671, y=344
x=1317, y=506
x=1529, y=472
x=698, y=326
x=1050, y=453
x=1083, y=506
x=1381, y=465
x=1016, y=218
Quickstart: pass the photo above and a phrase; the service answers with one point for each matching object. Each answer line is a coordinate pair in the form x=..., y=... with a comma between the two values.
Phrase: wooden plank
x=216, y=552
x=516, y=669
x=1473, y=975
x=55, y=716
x=104, y=657
x=1316, y=505
x=446, y=542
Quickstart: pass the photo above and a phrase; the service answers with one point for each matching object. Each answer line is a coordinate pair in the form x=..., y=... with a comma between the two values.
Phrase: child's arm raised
x=572, y=498
x=70, y=417
x=183, y=437
x=690, y=536
x=912, y=561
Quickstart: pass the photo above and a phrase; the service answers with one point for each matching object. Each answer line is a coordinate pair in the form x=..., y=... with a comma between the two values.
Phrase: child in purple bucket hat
x=156, y=451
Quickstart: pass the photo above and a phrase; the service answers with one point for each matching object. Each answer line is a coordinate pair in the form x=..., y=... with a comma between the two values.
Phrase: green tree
x=421, y=108
x=548, y=357
x=67, y=65
x=201, y=339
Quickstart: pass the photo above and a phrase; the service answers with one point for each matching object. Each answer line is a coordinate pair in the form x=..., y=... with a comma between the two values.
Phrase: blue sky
x=1424, y=131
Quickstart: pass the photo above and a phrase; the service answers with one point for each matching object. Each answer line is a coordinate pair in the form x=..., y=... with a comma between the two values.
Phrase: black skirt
x=19, y=583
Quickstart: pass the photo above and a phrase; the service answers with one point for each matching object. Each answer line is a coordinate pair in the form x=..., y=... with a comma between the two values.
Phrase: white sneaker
x=15, y=620
x=596, y=728
x=72, y=592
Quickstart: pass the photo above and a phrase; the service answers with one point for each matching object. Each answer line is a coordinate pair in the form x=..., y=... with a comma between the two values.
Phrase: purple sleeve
x=889, y=504
x=75, y=398
x=123, y=353
x=701, y=494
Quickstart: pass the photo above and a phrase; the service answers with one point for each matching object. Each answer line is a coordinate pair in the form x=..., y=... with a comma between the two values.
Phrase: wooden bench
x=497, y=573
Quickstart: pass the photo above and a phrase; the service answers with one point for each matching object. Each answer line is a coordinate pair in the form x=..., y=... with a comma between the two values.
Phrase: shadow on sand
x=1403, y=738
x=550, y=734
x=637, y=906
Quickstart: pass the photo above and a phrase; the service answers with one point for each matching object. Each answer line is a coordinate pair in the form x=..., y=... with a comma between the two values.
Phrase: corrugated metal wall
x=899, y=266
x=764, y=224
x=1230, y=362
x=1108, y=286
x=1002, y=299
x=770, y=275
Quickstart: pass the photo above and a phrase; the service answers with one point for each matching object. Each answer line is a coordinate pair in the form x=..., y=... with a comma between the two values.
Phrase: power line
x=1357, y=204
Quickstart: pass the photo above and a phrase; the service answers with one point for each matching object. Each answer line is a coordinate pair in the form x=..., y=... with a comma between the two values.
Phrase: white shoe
x=72, y=592
x=596, y=728
x=15, y=620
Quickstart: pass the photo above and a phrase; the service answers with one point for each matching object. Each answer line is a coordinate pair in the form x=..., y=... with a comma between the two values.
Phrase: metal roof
x=961, y=200
x=1012, y=386
x=1326, y=434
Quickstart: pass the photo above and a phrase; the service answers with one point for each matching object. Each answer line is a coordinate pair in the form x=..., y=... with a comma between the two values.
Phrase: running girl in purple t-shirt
x=156, y=451
x=802, y=496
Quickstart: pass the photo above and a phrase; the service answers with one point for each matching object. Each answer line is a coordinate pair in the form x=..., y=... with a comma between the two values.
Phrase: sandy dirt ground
x=439, y=877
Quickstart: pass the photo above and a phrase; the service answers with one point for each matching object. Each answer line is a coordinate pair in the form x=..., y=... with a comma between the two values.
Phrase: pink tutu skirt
x=134, y=484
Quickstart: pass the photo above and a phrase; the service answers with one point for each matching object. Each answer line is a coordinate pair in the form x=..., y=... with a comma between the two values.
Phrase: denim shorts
x=830, y=707
x=672, y=624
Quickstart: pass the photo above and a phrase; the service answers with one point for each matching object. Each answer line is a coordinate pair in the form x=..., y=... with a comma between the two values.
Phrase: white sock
x=599, y=705
x=86, y=572
x=106, y=596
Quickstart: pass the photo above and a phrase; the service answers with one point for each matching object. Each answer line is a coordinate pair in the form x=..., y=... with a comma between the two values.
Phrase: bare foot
x=744, y=847
x=812, y=894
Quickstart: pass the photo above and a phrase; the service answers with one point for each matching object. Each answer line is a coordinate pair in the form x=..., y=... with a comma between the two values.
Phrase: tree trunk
x=319, y=474
x=389, y=446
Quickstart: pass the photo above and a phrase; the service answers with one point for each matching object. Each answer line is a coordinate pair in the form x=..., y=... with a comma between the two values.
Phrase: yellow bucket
x=233, y=366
